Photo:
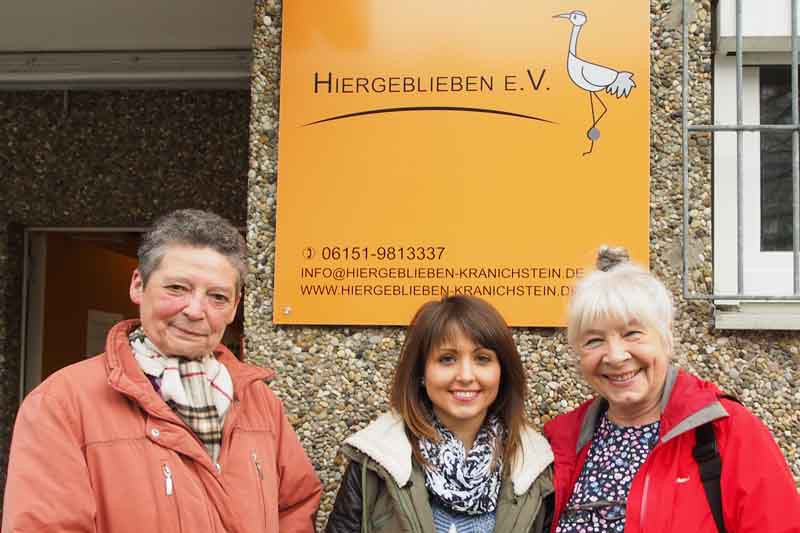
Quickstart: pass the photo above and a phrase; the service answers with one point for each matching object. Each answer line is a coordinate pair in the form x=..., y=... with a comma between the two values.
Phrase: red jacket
x=758, y=491
x=96, y=449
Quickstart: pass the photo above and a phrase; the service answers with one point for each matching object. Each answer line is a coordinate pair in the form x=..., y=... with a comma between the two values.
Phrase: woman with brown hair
x=454, y=455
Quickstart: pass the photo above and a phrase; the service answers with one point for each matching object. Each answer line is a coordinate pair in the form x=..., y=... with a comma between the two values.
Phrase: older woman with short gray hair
x=193, y=228
x=658, y=449
x=166, y=430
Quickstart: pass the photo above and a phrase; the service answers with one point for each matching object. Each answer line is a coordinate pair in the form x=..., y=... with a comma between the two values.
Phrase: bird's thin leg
x=589, y=131
x=593, y=132
x=601, y=114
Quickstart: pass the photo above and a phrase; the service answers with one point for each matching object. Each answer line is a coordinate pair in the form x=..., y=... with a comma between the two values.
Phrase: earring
x=422, y=381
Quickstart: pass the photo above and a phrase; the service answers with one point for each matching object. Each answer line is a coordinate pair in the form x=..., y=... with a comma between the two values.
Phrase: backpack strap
x=710, y=464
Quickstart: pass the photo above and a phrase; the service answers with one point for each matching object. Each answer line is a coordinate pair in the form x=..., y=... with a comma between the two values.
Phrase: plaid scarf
x=199, y=391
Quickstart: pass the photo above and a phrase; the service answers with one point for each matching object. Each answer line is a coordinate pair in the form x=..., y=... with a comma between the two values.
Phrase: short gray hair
x=195, y=228
x=622, y=292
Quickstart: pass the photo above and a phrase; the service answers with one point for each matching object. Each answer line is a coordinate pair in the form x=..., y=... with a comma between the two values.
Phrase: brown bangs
x=437, y=322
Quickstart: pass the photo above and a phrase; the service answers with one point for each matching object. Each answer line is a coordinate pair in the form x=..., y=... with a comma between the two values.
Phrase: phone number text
x=382, y=253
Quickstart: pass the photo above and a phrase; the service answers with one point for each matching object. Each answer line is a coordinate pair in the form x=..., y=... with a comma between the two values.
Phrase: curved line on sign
x=429, y=108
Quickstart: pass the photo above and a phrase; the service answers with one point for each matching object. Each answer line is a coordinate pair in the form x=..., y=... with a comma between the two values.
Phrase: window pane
x=776, y=160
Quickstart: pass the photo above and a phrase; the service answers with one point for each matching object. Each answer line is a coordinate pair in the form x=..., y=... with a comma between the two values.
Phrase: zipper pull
x=257, y=463
x=167, y=479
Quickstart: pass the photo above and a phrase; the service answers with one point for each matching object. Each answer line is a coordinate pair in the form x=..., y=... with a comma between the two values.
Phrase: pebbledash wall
x=107, y=159
x=120, y=159
x=333, y=380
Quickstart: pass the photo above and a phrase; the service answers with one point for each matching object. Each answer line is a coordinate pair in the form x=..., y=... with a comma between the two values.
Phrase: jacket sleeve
x=300, y=489
x=758, y=491
x=347, y=508
x=48, y=488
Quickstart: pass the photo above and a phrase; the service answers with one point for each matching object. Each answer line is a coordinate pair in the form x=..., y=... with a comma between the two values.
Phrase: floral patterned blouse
x=600, y=494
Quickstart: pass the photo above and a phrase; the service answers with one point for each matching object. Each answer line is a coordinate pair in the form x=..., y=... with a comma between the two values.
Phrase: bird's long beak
x=561, y=16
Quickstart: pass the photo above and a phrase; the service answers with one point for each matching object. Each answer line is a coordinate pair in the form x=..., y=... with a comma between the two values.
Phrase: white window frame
x=764, y=273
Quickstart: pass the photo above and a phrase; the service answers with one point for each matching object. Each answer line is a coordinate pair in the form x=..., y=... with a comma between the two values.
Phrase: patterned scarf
x=464, y=481
x=199, y=391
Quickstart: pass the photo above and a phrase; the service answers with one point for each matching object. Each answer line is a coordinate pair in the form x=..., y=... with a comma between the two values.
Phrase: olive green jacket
x=395, y=498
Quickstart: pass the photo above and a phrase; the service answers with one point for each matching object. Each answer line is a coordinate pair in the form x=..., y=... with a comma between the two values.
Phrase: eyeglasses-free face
x=627, y=365
x=462, y=380
x=188, y=301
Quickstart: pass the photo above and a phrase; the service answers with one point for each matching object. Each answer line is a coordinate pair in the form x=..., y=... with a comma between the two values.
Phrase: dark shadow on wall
x=107, y=159
x=11, y=254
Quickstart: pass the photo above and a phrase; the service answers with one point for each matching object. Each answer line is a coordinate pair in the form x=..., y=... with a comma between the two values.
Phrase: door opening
x=76, y=289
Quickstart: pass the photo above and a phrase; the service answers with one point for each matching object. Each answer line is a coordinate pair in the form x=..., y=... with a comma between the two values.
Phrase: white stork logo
x=591, y=77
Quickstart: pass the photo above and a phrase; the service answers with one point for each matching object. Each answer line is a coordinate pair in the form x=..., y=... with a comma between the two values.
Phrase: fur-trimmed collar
x=385, y=442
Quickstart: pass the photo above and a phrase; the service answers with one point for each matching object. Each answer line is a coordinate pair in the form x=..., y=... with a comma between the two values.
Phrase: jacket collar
x=686, y=403
x=531, y=460
x=385, y=442
x=125, y=375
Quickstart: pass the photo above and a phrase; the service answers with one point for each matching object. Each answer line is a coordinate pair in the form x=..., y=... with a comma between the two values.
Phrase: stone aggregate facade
x=120, y=159
x=107, y=159
x=334, y=380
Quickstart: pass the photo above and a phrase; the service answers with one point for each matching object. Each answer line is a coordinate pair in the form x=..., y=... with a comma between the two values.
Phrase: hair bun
x=608, y=257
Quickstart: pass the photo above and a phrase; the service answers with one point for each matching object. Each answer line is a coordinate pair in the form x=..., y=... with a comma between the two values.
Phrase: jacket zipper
x=168, y=483
x=260, y=474
x=646, y=489
x=644, y=500
x=169, y=489
x=258, y=465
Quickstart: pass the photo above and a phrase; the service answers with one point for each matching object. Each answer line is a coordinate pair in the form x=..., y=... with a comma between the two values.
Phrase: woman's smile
x=465, y=396
x=623, y=379
x=627, y=365
x=462, y=380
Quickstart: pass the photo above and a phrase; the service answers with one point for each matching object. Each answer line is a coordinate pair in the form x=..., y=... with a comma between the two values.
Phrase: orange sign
x=449, y=147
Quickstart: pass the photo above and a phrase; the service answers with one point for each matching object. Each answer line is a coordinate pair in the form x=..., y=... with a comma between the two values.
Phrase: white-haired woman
x=631, y=459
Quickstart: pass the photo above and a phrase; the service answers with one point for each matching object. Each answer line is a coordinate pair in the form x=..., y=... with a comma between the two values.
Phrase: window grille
x=740, y=128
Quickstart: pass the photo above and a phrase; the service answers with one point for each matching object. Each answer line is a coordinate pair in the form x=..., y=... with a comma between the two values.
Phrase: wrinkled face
x=188, y=301
x=462, y=380
x=627, y=365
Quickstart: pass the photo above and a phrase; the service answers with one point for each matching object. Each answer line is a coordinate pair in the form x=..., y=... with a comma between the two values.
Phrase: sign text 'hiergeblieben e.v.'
x=428, y=149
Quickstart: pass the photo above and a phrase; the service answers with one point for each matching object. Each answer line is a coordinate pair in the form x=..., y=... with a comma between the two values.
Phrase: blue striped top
x=446, y=520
